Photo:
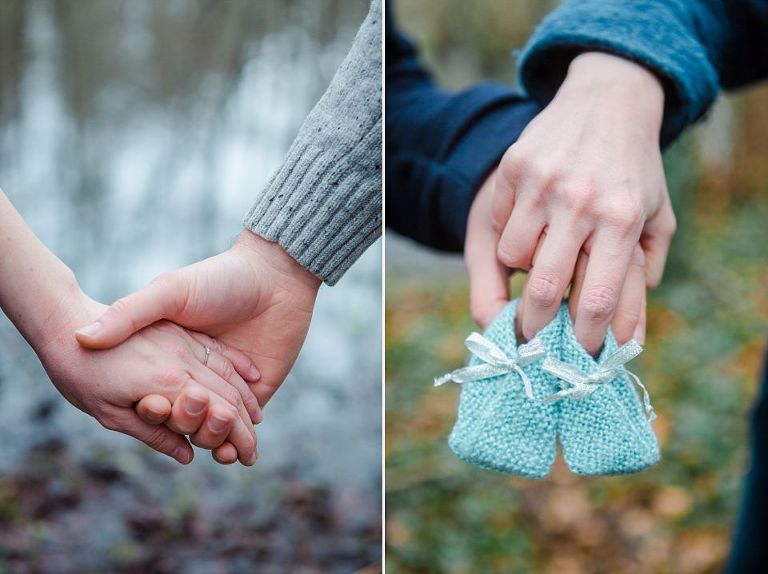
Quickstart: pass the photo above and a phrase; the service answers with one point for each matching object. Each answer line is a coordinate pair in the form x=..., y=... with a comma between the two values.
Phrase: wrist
x=259, y=251
x=39, y=305
x=60, y=312
x=622, y=84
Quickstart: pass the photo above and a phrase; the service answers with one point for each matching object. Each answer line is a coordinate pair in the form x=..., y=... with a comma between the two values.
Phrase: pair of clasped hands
x=202, y=349
x=581, y=200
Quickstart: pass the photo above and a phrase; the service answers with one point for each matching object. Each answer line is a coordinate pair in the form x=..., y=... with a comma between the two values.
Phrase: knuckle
x=671, y=226
x=122, y=308
x=217, y=346
x=251, y=403
x=227, y=413
x=171, y=378
x=517, y=166
x=543, y=290
x=180, y=351
x=120, y=305
x=226, y=370
x=170, y=284
x=232, y=396
x=628, y=317
x=155, y=438
x=110, y=422
x=233, y=413
x=598, y=302
x=537, y=197
x=510, y=255
x=577, y=197
x=164, y=280
x=512, y=164
x=627, y=216
x=246, y=440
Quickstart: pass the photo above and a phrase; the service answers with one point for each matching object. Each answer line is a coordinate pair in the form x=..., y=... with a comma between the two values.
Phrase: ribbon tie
x=583, y=384
x=496, y=362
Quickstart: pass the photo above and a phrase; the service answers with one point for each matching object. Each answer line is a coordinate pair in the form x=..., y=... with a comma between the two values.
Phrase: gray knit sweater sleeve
x=323, y=206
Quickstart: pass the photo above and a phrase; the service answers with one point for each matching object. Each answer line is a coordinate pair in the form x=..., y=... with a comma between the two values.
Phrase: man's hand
x=253, y=297
x=489, y=279
x=190, y=414
x=586, y=176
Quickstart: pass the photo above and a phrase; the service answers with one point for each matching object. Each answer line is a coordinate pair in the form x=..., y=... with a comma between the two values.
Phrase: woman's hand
x=253, y=297
x=586, y=176
x=162, y=359
x=41, y=296
x=489, y=278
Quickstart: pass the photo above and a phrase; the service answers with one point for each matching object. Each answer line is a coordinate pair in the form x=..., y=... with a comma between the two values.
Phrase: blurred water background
x=133, y=138
x=706, y=335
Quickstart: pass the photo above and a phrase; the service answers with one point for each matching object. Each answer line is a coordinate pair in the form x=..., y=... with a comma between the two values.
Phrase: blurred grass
x=706, y=335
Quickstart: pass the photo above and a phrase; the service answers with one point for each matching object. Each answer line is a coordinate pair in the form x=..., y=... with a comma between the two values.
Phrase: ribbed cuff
x=656, y=38
x=324, y=210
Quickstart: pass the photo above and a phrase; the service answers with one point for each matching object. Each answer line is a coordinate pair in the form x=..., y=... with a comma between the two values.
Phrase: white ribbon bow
x=497, y=362
x=583, y=384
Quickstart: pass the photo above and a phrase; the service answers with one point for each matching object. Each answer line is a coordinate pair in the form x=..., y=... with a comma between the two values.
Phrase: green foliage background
x=706, y=335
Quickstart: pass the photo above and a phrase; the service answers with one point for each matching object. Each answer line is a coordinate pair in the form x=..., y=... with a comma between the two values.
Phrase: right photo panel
x=576, y=267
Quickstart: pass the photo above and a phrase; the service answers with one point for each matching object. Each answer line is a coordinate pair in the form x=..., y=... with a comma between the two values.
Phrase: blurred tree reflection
x=134, y=135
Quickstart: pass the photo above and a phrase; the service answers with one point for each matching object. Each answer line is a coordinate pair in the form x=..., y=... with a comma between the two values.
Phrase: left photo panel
x=190, y=279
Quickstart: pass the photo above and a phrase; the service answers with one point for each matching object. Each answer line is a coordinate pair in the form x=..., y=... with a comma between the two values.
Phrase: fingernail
x=253, y=373
x=194, y=405
x=639, y=335
x=217, y=424
x=220, y=460
x=91, y=330
x=182, y=455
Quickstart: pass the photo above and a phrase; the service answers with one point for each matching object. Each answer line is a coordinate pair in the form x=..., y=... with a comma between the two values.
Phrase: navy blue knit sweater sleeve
x=694, y=46
x=440, y=145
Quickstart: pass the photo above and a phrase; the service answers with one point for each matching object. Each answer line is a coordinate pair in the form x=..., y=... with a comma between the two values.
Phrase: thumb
x=488, y=292
x=488, y=280
x=488, y=277
x=153, y=409
x=162, y=299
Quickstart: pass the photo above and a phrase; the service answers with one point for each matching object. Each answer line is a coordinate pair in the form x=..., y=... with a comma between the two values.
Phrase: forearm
x=323, y=206
x=34, y=283
x=430, y=189
x=440, y=145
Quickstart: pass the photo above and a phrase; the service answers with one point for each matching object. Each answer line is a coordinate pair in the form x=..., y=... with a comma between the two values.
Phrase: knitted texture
x=673, y=38
x=498, y=427
x=323, y=206
x=606, y=432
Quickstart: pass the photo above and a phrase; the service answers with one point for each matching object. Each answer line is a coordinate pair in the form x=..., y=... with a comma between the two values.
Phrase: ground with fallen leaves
x=706, y=337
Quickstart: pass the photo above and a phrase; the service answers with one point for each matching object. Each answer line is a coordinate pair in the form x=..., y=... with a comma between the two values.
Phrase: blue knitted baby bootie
x=604, y=428
x=498, y=426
